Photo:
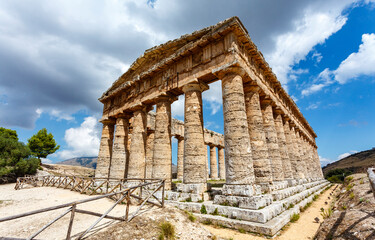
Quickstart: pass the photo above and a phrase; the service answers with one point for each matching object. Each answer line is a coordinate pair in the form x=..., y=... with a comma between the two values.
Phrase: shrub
x=351, y=195
x=191, y=217
x=337, y=175
x=294, y=217
x=290, y=206
x=326, y=213
x=216, y=212
x=167, y=231
x=315, y=197
x=241, y=230
x=203, y=209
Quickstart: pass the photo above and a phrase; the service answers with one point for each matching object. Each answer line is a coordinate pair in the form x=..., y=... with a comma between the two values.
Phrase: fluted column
x=207, y=160
x=301, y=160
x=136, y=168
x=238, y=157
x=213, y=162
x=119, y=151
x=221, y=163
x=308, y=159
x=261, y=160
x=272, y=141
x=320, y=173
x=162, y=162
x=290, y=148
x=194, y=148
x=149, y=152
x=180, y=158
x=105, y=151
x=287, y=168
x=297, y=166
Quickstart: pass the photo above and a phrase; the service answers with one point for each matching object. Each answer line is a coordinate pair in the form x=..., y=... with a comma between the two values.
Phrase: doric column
x=272, y=141
x=308, y=160
x=221, y=162
x=238, y=157
x=105, y=151
x=119, y=151
x=136, y=168
x=301, y=165
x=149, y=152
x=194, y=147
x=207, y=168
x=180, y=158
x=316, y=157
x=213, y=162
x=162, y=161
x=287, y=168
x=290, y=148
x=261, y=160
x=297, y=166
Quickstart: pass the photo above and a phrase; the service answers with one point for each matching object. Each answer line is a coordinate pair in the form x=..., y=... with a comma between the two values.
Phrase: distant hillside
x=89, y=162
x=356, y=163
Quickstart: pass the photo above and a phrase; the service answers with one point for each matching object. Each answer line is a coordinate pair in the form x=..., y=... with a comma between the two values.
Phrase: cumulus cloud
x=313, y=106
x=358, y=63
x=347, y=154
x=319, y=22
x=82, y=141
x=213, y=96
x=324, y=161
x=178, y=108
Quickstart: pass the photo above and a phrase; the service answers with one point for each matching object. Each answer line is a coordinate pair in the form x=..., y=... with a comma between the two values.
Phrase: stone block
x=198, y=188
x=253, y=202
x=241, y=190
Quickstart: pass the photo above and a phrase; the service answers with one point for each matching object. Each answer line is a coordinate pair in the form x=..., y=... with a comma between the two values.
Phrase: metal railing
x=143, y=192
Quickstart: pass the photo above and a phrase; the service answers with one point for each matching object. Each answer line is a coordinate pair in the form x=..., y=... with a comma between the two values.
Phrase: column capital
x=166, y=97
x=141, y=107
x=278, y=111
x=108, y=121
x=265, y=102
x=251, y=88
x=124, y=116
x=228, y=69
x=195, y=85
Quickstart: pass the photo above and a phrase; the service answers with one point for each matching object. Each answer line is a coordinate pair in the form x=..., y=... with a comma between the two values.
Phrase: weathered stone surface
x=119, y=151
x=136, y=168
x=221, y=163
x=241, y=190
x=287, y=168
x=272, y=141
x=252, y=202
x=261, y=160
x=149, y=153
x=290, y=148
x=105, y=151
x=238, y=158
x=302, y=158
x=180, y=158
x=162, y=160
x=213, y=163
x=297, y=166
x=196, y=188
x=194, y=148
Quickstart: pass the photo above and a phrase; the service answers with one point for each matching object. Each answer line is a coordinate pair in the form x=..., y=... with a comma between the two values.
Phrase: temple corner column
x=105, y=150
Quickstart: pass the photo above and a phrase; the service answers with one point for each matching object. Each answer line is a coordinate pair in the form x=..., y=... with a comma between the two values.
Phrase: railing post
x=127, y=206
x=71, y=222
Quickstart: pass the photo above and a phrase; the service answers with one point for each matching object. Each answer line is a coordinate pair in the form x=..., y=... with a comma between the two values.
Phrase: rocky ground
x=353, y=215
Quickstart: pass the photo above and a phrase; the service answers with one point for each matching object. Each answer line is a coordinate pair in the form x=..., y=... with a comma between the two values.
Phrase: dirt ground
x=353, y=215
x=304, y=228
x=15, y=202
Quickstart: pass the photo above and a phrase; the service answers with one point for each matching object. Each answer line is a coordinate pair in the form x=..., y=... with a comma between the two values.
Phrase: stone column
x=180, y=158
x=261, y=160
x=290, y=148
x=308, y=159
x=213, y=163
x=238, y=158
x=195, y=171
x=136, y=168
x=317, y=159
x=149, y=152
x=162, y=161
x=297, y=166
x=287, y=168
x=105, y=151
x=207, y=168
x=272, y=141
x=221, y=163
x=301, y=166
x=119, y=152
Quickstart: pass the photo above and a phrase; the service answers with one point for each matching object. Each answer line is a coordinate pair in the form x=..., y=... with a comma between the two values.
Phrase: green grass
x=167, y=231
x=351, y=195
x=326, y=213
x=203, y=209
x=290, y=206
x=315, y=197
x=216, y=212
x=294, y=217
x=241, y=230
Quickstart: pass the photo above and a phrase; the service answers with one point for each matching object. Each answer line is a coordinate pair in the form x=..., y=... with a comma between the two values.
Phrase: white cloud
x=314, y=28
x=324, y=79
x=82, y=141
x=46, y=160
x=358, y=63
x=313, y=106
x=324, y=161
x=178, y=108
x=344, y=155
x=317, y=56
x=214, y=97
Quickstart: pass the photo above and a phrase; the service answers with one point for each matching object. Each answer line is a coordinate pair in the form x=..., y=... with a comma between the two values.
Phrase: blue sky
x=57, y=57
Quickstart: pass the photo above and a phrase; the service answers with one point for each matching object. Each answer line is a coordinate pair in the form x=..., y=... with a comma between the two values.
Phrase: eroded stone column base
x=253, y=202
x=197, y=188
x=241, y=190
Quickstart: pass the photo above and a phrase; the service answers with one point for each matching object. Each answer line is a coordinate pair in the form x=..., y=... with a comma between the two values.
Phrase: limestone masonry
x=267, y=155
